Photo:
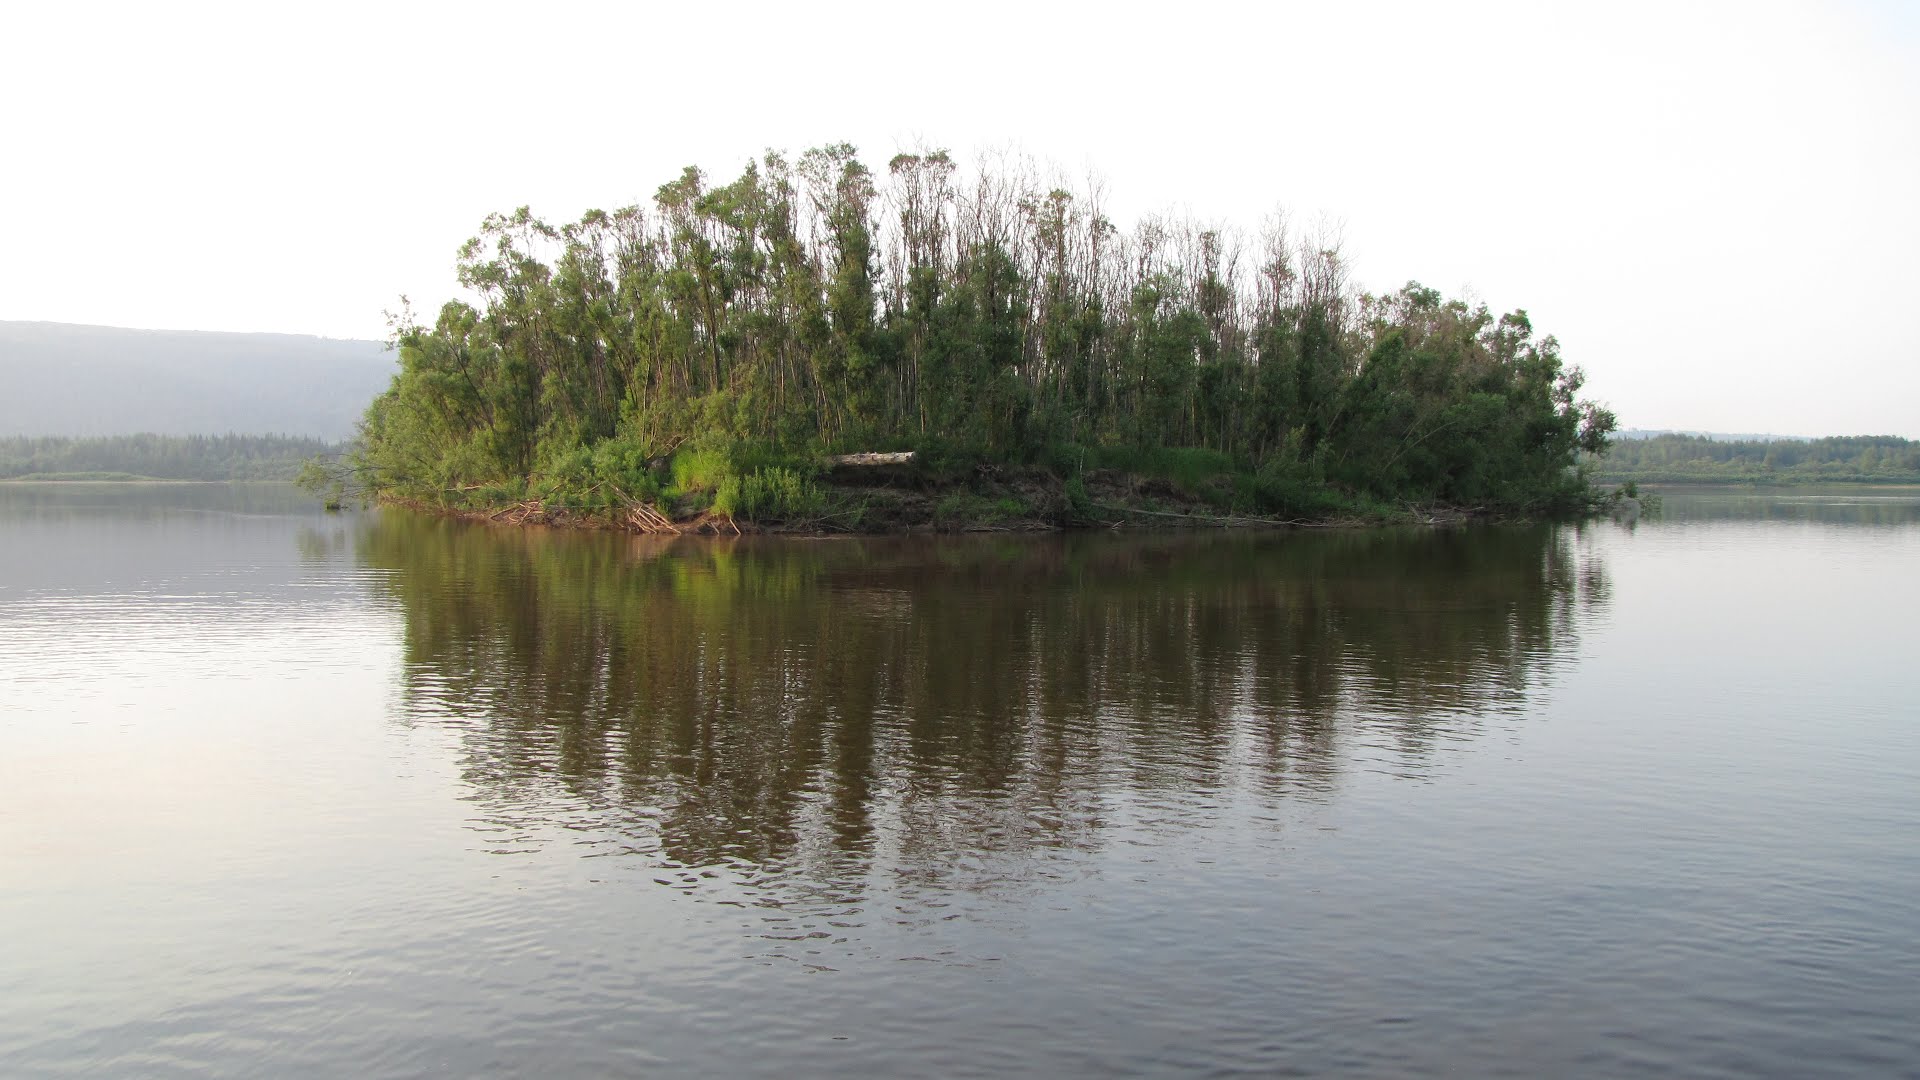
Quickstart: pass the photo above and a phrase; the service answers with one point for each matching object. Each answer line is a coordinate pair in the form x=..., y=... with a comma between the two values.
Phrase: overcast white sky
x=1712, y=206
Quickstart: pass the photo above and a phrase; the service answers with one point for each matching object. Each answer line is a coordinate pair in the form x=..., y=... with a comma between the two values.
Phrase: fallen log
x=897, y=458
x=1222, y=522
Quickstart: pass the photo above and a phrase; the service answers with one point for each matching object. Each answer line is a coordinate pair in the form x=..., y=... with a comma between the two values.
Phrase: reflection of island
x=765, y=703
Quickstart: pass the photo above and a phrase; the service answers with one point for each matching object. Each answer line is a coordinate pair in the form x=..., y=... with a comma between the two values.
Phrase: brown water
x=284, y=793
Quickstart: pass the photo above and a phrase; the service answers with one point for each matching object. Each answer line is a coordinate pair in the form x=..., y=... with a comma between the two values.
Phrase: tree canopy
x=812, y=305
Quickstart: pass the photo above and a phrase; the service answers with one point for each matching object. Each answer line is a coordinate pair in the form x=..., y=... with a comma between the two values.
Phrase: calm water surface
x=284, y=793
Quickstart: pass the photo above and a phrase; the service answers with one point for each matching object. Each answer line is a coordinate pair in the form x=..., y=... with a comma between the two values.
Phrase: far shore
x=61, y=478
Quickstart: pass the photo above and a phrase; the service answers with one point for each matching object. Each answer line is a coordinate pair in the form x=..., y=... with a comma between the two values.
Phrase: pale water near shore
x=285, y=793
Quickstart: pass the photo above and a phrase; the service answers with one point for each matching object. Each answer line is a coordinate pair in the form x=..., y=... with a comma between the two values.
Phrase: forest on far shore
x=1688, y=458
x=158, y=457
x=700, y=355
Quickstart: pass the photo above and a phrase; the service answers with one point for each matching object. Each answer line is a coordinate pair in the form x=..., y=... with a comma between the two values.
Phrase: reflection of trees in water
x=916, y=701
x=322, y=545
x=1883, y=505
x=54, y=500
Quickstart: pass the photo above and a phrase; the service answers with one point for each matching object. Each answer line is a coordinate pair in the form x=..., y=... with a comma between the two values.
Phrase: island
x=1010, y=356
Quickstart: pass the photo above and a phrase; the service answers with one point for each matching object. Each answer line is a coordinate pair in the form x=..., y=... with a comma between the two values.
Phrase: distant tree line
x=160, y=457
x=810, y=306
x=1693, y=457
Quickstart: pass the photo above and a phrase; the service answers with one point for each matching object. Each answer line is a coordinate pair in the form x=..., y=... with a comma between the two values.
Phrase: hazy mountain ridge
x=70, y=379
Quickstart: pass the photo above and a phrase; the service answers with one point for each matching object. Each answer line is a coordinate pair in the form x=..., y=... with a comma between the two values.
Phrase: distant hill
x=63, y=379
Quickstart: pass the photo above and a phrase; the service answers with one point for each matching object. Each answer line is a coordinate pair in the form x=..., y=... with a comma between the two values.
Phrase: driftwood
x=521, y=513
x=645, y=518
x=897, y=458
x=640, y=516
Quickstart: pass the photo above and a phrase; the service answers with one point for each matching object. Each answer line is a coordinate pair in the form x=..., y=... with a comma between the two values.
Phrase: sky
x=1714, y=207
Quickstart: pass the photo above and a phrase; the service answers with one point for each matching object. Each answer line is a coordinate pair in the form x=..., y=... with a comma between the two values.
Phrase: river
x=297, y=794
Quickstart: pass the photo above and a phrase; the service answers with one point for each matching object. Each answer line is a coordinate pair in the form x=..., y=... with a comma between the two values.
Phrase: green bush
x=1079, y=504
x=1287, y=485
x=1194, y=470
x=772, y=494
x=625, y=462
x=727, y=499
x=702, y=465
x=960, y=509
